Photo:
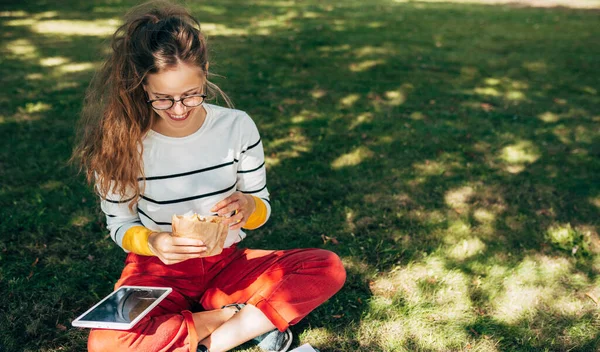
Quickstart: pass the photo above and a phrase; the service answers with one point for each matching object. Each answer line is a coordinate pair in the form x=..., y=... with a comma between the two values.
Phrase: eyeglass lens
x=191, y=101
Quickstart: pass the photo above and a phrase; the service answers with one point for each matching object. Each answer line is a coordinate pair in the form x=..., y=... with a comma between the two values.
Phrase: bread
x=209, y=229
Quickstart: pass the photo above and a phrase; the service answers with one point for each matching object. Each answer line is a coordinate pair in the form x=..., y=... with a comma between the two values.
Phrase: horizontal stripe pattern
x=256, y=191
x=151, y=178
x=180, y=200
x=251, y=170
x=154, y=221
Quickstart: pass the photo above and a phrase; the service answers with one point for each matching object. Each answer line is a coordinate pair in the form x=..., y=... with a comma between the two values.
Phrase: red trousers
x=285, y=285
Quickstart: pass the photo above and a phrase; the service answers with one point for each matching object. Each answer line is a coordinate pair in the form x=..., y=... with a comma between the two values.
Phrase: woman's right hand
x=172, y=250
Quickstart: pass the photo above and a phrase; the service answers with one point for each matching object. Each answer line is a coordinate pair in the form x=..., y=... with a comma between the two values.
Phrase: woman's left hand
x=242, y=204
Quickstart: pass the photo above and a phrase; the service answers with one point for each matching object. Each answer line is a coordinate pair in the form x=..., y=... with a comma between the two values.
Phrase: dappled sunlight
x=457, y=230
x=29, y=112
x=536, y=66
x=521, y=152
x=395, y=97
x=435, y=300
x=76, y=67
x=389, y=335
x=505, y=88
x=80, y=220
x=66, y=85
x=579, y=4
x=291, y=146
x=355, y=265
x=54, y=61
x=569, y=305
x=98, y=28
x=34, y=76
x=266, y=25
x=445, y=152
x=595, y=201
x=484, y=216
x=213, y=10
x=318, y=336
x=334, y=49
x=548, y=117
x=349, y=100
x=417, y=116
x=589, y=90
x=318, y=93
x=51, y=185
x=459, y=198
x=466, y=249
x=538, y=280
x=353, y=158
x=305, y=115
x=30, y=19
x=13, y=13
x=218, y=29
x=435, y=167
x=365, y=65
x=23, y=48
x=373, y=51
x=363, y=118
x=518, y=156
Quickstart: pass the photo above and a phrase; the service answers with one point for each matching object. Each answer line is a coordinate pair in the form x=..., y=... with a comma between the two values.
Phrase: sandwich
x=208, y=229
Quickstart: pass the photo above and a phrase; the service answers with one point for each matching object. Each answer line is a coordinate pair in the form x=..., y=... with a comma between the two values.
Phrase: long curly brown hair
x=154, y=37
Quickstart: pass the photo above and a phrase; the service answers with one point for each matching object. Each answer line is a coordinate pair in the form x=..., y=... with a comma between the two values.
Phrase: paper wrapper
x=208, y=229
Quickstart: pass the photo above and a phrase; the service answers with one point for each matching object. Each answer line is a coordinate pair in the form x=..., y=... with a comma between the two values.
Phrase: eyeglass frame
x=181, y=99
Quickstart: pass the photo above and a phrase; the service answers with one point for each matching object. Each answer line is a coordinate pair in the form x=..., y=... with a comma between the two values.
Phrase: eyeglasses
x=191, y=101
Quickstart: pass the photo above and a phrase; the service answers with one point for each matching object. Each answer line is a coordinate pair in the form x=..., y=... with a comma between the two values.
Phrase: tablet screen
x=123, y=306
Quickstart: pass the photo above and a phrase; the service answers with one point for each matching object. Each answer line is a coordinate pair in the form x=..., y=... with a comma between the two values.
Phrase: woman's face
x=177, y=83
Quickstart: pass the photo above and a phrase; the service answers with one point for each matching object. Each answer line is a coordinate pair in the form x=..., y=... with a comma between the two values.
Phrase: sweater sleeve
x=252, y=174
x=119, y=218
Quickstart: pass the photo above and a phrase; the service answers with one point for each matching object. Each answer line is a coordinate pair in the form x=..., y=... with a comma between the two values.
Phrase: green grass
x=451, y=150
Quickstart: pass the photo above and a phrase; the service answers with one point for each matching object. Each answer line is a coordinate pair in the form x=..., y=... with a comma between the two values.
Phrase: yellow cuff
x=258, y=217
x=136, y=240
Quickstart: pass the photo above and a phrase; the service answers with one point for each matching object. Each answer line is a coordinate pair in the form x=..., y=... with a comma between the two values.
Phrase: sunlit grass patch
x=536, y=282
x=433, y=302
x=100, y=27
x=29, y=112
x=23, y=48
x=353, y=158
x=519, y=155
x=290, y=146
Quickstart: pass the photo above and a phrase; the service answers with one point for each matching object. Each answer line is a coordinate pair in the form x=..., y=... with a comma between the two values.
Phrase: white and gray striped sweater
x=193, y=173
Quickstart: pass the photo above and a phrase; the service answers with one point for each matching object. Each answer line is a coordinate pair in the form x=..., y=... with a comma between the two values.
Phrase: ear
x=206, y=67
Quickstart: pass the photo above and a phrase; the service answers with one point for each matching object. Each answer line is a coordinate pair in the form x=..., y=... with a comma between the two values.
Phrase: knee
x=337, y=270
x=102, y=340
x=332, y=269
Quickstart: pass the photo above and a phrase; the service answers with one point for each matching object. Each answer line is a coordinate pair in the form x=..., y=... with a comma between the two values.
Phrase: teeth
x=178, y=116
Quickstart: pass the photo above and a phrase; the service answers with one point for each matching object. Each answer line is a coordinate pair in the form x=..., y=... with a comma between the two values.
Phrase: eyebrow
x=187, y=91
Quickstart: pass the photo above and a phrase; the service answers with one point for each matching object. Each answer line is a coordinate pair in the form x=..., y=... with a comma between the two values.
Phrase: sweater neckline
x=207, y=120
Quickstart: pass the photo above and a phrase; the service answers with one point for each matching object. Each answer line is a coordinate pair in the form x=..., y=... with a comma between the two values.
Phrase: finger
x=169, y=261
x=239, y=221
x=224, y=202
x=234, y=197
x=181, y=256
x=235, y=218
x=231, y=208
x=186, y=241
x=184, y=250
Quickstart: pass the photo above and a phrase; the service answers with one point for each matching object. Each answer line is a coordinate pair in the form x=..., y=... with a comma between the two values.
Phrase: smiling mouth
x=179, y=117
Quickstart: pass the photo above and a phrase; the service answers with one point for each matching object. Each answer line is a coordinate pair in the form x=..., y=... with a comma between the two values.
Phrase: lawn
x=449, y=152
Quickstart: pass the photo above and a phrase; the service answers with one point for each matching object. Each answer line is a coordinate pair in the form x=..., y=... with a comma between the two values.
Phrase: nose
x=178, y=108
